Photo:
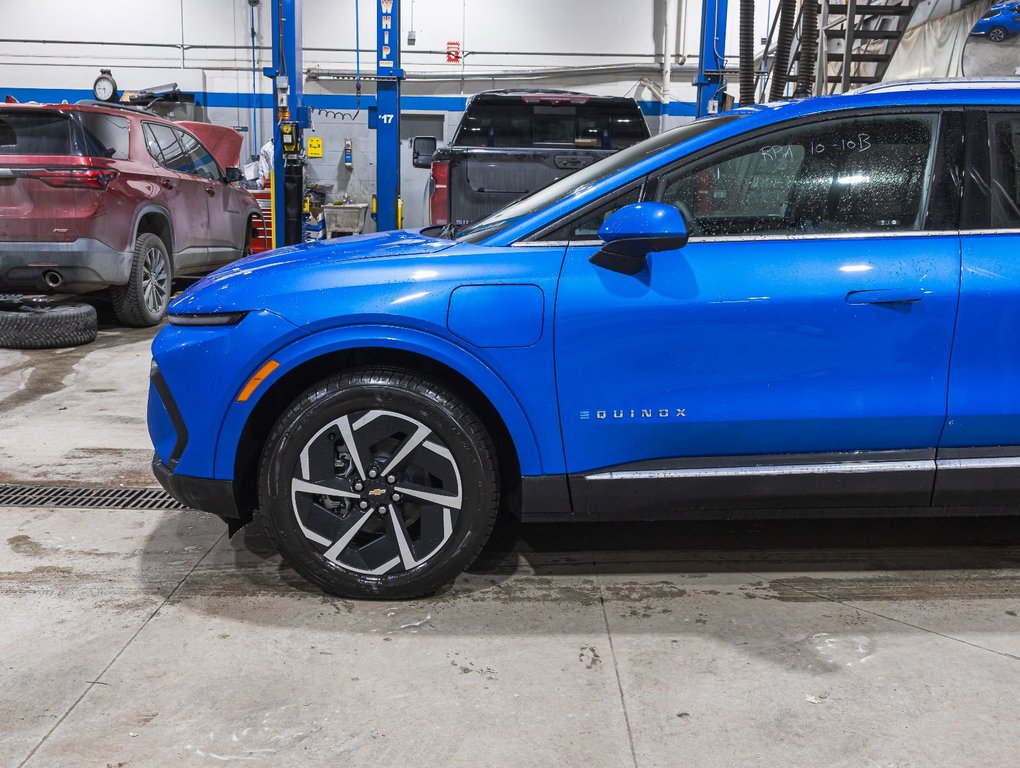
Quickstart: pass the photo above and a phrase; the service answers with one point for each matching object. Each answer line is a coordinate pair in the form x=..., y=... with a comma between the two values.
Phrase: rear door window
x=26, y=132
x=1004, y=144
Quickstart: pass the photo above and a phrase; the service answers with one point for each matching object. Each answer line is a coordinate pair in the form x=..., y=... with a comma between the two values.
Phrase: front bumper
x=201, y=493
x=196, y=375
x=83, y=265
x=170, y=437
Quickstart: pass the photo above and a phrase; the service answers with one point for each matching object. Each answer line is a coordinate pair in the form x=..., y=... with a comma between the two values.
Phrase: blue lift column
x=288, y=97
x=387, y=139
x=712, y=60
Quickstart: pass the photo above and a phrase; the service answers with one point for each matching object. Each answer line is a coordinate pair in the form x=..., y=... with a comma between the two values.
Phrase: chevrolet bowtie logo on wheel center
x=377, y=492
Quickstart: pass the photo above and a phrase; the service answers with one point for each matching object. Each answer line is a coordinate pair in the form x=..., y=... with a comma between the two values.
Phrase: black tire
x=337, y=544
x=143, y=301
x=997, y=34
x=46, y=325
x=249, y=234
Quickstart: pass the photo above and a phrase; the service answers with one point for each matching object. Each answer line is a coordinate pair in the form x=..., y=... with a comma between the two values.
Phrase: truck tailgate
x=483, y=180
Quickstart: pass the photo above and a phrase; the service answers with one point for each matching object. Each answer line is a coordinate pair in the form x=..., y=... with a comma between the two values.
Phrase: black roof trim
x=115, y=105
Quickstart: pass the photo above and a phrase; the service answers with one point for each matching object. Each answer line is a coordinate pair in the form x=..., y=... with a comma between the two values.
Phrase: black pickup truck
x=511, y=143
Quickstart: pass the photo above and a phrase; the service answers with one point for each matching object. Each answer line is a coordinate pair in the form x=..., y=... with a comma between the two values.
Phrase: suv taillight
x=439, y=198
x=75, y=178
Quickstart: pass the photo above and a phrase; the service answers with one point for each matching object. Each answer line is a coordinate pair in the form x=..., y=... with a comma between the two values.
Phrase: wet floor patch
x=44, y=372
x=25, y=545
x=918, y=586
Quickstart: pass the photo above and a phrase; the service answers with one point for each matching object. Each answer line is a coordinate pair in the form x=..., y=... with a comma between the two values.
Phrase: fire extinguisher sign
x=453, y=51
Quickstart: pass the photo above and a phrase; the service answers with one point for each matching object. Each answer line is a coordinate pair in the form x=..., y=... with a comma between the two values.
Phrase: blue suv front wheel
x=378, y=483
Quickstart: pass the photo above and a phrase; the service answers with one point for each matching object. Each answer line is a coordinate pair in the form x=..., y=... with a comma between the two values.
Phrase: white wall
x=203, y=45
x=538, y=33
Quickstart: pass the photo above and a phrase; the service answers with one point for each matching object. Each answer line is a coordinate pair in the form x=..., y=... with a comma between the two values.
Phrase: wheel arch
x=155, y=220
x=515, y=441
x=252, y=215
x=254, y=212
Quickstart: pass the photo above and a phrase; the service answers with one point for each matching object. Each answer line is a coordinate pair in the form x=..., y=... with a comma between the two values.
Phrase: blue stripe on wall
x=346, y=102
x=47, y=95
x=673, y=109
x=230, y=100
x=443, y=103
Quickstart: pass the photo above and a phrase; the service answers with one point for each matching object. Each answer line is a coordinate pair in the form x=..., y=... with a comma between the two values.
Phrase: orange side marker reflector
x=258, y=378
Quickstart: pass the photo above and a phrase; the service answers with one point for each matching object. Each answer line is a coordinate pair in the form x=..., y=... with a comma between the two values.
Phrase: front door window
x=864, y=174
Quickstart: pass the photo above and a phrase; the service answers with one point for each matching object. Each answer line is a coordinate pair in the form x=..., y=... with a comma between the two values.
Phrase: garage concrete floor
x=983, y=58
x=144, y=638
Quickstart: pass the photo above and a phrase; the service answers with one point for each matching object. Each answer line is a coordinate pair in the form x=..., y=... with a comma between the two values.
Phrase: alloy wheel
x=155, y=280
x=376, y=492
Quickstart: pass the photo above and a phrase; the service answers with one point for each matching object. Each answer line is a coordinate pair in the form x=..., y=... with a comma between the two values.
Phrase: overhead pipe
x=238, y=48
x=784, y=42
x=822, y=65
x=808, y=49
x=668, y=45
x=512, y=74
x=746, y=52
x=762, y=76
x=254, y=146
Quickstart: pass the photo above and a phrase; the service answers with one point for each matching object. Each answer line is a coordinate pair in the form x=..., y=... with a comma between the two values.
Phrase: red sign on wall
x=453, y=51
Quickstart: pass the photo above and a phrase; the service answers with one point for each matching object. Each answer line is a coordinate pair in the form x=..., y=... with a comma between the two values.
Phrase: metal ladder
x=869, y=31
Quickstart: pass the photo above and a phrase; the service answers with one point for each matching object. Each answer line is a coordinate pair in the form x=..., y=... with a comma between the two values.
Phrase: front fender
x=302, y=350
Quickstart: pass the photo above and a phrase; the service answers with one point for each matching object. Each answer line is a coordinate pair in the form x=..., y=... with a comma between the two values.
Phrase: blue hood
x=264, y=280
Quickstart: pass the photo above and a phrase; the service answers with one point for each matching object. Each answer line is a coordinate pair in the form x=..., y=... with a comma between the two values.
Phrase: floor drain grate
x=85, y=498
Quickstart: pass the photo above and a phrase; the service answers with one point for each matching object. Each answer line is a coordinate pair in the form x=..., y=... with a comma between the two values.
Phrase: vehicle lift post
x=290, y=117
x=712, y=61
x=387, y=119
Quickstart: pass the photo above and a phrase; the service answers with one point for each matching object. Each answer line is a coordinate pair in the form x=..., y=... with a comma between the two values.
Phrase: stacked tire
x=39, y=322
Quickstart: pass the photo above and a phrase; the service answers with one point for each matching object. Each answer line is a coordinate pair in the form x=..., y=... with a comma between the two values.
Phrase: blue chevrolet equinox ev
x=811, y=305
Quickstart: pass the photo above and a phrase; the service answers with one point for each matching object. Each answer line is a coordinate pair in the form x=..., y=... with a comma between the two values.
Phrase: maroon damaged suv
x=95, y=197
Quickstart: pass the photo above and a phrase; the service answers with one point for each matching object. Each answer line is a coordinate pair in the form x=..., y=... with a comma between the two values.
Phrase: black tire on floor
x=47, y=326
x=997, y=34
x=382, y=539
x=143, y=301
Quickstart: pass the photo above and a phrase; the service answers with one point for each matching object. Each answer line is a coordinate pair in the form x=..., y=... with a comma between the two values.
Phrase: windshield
x=581, y=180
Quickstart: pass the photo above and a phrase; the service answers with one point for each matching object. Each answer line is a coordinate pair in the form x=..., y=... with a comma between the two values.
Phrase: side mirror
x=636, y=230
x=422, y=150
x=233, y=176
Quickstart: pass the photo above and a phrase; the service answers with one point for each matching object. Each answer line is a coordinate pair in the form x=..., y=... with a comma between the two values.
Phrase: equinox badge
x=635, y=413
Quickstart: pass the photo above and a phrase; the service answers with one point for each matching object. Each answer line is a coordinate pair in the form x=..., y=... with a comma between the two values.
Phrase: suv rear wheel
x=143, y=301
x=378, y=483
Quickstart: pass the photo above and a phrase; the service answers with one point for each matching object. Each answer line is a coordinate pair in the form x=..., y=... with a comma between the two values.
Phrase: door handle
x=167, y=184
x=885, y=296
x=210, y=191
